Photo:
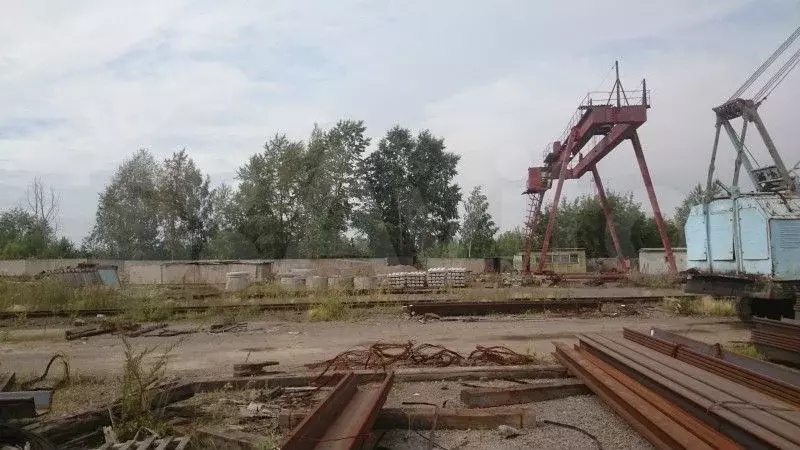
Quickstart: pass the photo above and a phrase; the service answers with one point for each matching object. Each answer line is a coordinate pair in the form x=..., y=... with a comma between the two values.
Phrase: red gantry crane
x=613, y=117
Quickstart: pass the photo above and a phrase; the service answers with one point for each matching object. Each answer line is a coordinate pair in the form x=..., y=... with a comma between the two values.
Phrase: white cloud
x=86, y=83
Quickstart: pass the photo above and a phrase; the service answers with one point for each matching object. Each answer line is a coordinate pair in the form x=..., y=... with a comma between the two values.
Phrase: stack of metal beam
x=688, y=394
x=778, y=340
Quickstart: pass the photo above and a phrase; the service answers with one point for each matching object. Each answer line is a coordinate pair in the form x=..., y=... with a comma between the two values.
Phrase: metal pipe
x=651, y=193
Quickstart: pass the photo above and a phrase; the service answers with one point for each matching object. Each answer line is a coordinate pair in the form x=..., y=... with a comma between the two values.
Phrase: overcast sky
x=83, y=84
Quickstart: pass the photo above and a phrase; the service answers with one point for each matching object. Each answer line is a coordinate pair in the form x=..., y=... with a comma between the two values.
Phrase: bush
x=331, y=308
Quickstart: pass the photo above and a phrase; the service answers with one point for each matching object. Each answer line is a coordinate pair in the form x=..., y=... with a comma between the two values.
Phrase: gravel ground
x=441, y=393
x=587, y=412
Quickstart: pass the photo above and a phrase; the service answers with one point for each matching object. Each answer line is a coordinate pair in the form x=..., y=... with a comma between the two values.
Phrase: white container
x=236, y=281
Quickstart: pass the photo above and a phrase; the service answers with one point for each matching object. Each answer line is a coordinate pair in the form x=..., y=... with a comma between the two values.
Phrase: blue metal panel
x=720, y=227
x=785, y=248
x=754, y=232
x=695, y=231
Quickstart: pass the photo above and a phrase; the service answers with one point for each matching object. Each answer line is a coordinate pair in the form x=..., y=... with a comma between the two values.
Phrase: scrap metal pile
x=383, y=355
x=680, y=393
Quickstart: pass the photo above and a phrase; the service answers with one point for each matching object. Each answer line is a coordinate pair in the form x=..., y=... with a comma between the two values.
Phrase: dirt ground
x=96, y=364
x=295, y=343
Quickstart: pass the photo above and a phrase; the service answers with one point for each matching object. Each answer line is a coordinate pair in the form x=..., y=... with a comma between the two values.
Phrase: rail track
x=417, y=306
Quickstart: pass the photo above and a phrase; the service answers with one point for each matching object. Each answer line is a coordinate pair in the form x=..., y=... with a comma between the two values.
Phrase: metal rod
x=612, y=228
x=617, y=83
x=773, y=151
x=710, y=179
x=651, y=193
x=737, y=143
x=737, y=168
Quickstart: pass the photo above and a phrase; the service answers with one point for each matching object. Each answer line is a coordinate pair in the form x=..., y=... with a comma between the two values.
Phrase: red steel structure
x=613, y=117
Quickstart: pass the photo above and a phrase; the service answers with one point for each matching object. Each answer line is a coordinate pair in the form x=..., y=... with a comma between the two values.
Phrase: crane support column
x=612, y=228
x=651, y=193
x=551, y=221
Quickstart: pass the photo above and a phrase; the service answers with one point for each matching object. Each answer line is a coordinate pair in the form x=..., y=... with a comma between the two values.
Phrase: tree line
x=314, y=198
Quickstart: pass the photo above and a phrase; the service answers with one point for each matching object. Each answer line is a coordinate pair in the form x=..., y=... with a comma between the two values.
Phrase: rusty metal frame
x=343, y=419
x=616, y=123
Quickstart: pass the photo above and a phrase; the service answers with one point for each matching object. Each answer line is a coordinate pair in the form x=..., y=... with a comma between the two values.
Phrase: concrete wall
x=474, y=265
x=330, y=267
x=653, y=261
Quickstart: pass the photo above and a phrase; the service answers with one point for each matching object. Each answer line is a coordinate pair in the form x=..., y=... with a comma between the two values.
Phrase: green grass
x=332, y=307
x=704, y=306
x=744, y=349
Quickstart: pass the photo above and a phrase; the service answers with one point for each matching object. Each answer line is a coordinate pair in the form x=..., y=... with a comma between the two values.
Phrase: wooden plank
x=145, y=444
x=182, y=443
x=163, y=443
x=514, y=395
x=422, y=418
x=401, y=375
x=252, y=368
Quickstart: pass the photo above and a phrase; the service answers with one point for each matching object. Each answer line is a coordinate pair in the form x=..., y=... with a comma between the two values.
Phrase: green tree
x=694, y=197
x=184, y=202
x=331, y=163
x=478, y=228
x=225, y=240
x=410, y=201
x=270, y=197
x=510, y=243
x=127, y=218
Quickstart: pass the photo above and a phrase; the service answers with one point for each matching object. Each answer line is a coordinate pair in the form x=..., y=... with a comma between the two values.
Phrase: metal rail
x=770, y=386
x=663, y=424
x=343, y=419
x=418, y=306
x=749, y=417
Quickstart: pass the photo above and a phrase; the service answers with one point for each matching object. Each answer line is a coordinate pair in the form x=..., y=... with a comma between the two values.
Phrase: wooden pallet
x=167, y=443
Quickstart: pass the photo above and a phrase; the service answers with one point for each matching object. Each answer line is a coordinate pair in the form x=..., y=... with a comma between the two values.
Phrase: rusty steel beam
x=522, y=306
x=663, y=431
x=770, y=386
x=609, y=142
x=764, y=368
x=612, y=228
x=722, y=404
x=551, y=220
x=343, y=419
x=651, y=193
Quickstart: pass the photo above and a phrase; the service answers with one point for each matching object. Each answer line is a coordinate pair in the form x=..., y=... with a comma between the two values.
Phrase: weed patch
x=137, y=380
x=704, y=306
x=331, y=308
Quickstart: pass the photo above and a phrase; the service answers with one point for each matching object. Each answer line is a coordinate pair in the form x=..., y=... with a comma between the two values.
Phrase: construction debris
x=507, y=432
x=514, y=395
x=384, y=355
x=228, y=327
